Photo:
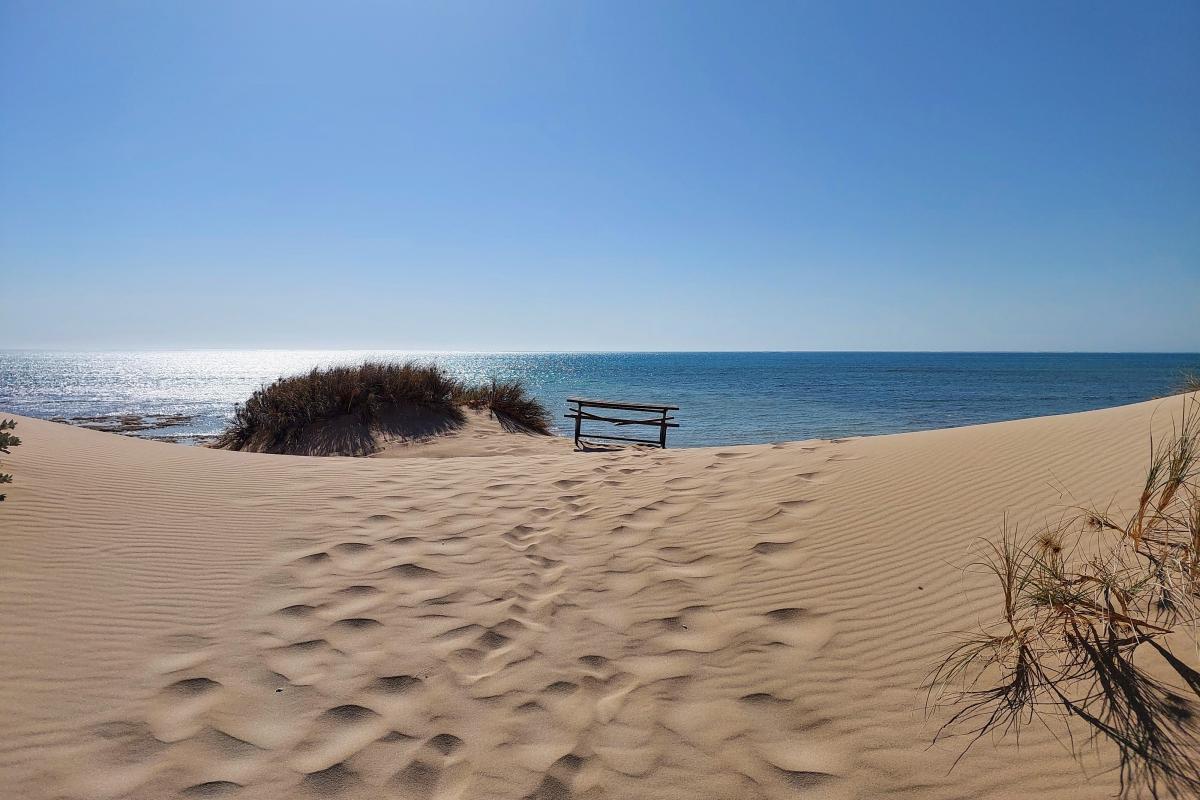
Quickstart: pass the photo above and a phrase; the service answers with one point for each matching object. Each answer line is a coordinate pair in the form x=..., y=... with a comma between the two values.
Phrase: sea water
x=724, y=398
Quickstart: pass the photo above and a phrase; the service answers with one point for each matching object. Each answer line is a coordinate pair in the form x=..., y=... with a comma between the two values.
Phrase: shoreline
x=112, y=424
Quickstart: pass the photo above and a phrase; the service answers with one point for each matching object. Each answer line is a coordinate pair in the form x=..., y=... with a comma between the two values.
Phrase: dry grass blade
x=1188, y=382
x=510, y=401
x=1087, y=605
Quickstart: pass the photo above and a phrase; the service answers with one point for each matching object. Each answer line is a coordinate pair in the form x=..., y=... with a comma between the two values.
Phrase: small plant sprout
x=7, y=440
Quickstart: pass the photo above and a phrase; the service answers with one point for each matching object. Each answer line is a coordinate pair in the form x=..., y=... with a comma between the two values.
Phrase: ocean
x=725, y=398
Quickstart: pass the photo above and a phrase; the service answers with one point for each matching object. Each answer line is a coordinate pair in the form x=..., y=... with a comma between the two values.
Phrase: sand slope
x=480, y=434
x=712, y=623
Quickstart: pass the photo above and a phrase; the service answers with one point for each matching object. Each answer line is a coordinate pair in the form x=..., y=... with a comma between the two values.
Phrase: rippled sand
x=707, y=623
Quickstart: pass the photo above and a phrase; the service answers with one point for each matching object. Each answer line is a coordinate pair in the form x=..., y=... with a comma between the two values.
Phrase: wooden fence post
x=578, y=421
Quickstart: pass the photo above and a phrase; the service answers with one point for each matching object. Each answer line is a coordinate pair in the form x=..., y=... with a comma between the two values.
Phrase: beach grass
x=1086, y=603
x=277, y=414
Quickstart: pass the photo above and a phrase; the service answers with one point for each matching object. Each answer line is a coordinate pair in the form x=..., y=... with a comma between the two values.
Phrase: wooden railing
x=662, y=421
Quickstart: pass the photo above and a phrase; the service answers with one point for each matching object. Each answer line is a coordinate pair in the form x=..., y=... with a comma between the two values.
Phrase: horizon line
x=421, y=351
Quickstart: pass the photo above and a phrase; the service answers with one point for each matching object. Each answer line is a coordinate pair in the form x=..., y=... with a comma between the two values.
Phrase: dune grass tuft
x=275, y=416
x=1189, y=382
x=1094, y=611
x=508, y=400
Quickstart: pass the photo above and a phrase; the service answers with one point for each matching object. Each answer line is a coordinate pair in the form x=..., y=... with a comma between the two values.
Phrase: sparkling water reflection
x=726, y=398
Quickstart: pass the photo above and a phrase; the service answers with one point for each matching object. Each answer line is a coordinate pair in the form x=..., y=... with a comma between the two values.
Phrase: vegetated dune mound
x=361, y=410
x=689, y=624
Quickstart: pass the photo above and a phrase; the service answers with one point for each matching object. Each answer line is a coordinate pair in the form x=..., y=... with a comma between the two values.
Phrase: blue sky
x=574, y=175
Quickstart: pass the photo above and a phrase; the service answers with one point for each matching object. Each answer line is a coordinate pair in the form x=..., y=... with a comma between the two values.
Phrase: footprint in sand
x=336, y=735
x=178, y=711
x=786, y=554
x=436, y=771
x=411, y=572
x=799, y=632
x=353, y=634
x=213, y=789
x=557, y=783
x=395, y=684
x=801, y=764
x=302, y=663
x=332, y=781
x=296, y=610
x=771, y=548
x=182, y=651
x=352, y=555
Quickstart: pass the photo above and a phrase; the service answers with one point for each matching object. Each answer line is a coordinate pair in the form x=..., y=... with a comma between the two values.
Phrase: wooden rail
x=662, y=421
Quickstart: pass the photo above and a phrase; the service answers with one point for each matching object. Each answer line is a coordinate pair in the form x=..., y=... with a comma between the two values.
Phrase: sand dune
x=480, y=433
x=734, y=622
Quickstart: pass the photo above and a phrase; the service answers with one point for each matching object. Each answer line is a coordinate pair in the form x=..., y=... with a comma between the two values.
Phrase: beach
x=599, y=401
x=753, y=621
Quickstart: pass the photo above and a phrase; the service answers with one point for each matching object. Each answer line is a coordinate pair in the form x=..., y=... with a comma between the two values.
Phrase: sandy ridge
x=717, y=622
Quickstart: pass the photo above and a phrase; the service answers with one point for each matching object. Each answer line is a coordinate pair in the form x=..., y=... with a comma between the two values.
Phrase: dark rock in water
x=136, y=424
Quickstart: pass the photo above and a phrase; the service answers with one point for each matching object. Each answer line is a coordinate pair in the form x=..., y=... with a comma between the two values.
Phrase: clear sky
x=600, y=175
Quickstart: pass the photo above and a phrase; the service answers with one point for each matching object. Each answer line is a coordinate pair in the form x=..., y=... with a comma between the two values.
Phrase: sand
x=481, y=433
x=734, y=622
